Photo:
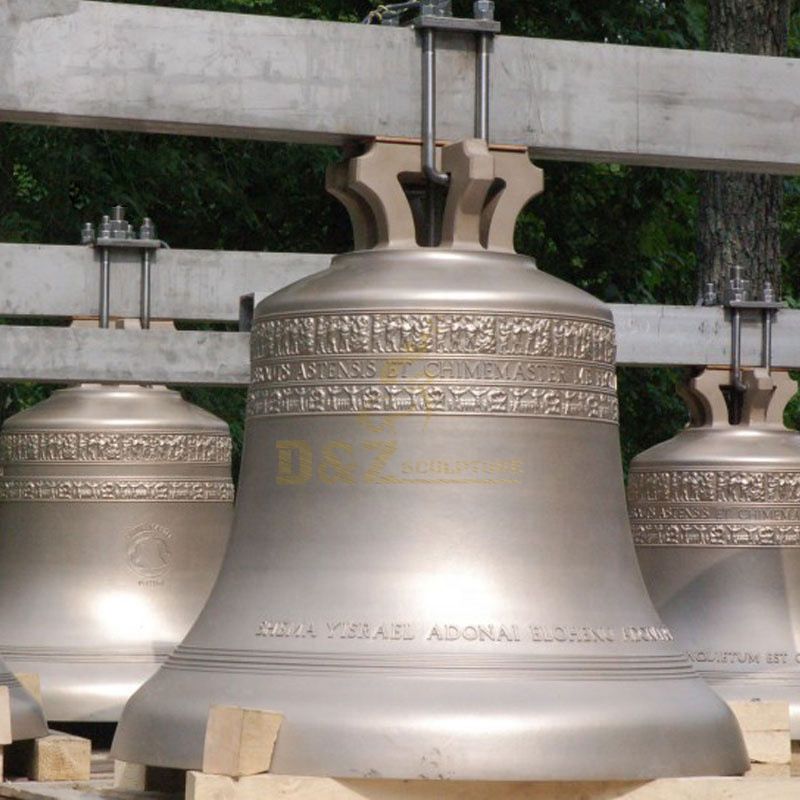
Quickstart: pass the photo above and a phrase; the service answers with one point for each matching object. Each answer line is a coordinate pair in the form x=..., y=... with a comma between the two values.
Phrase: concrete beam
x=120, y=66
x=647, y=336
x=73, y=355
x=199, y=285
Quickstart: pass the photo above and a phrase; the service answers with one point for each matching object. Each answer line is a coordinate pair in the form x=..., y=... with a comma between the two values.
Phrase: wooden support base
x=766, y=731
x=55, y=757
x=130, y=777
x=201, y=786
x=240, y=741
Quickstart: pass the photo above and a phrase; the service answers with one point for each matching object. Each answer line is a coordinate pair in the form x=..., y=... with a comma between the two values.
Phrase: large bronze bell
x=431, y=573
x=116, y=508
x=715, y=513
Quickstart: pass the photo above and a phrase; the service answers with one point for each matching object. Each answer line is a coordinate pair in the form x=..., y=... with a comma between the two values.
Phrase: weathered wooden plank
x=71, y=355
x=200, y=285
x=65, y=62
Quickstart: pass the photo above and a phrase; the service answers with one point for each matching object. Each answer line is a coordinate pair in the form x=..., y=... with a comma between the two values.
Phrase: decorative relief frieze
x=91, y=447
x=446, y=333
x=114, y=489
x=715, y=534
x=444, y=363
x=446, y=399
x=713, y=486
x=729, y=508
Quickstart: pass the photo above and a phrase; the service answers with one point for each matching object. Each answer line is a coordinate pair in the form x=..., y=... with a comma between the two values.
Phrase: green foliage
x=621, y=233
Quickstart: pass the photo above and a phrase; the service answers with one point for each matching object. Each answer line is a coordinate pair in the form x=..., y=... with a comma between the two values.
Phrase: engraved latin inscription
x=702, y=508
x=444, y=632
x=436, y=363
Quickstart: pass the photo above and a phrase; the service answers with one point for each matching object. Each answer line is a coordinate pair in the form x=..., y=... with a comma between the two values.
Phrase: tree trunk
x=740, y=214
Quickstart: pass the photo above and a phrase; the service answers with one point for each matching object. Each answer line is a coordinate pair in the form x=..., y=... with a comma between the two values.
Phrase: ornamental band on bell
x=115, y=489
x=438, y=362
x=722, y=508
x=94, y=447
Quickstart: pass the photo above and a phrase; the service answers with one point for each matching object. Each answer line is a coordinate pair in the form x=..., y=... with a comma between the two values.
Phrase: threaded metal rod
x=482, y=87
x=105, y=285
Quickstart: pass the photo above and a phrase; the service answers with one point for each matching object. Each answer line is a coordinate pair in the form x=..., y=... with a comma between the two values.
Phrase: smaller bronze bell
x=115, y=508
x=715, y=514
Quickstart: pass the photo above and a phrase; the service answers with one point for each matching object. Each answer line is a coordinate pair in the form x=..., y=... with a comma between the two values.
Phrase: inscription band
x=115, y=490
x=94, y=447
x=715, y=508
x=433, y=363
x=715, y=535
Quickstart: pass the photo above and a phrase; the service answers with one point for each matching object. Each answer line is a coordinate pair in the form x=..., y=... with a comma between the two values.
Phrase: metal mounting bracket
x=737, y=301
x=116, y=233
x=435, y=18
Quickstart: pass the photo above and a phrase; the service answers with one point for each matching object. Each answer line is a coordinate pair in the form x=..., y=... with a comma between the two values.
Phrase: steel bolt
x=483, y=10
x=105, y=227
x=737, y=285
x=442, y=8
x=147, y=229
x=87, y=233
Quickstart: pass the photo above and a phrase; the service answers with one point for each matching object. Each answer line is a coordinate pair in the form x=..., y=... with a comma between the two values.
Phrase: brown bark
x=740, y=214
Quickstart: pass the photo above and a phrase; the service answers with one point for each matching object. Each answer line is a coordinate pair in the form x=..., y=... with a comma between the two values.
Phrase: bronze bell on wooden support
x=715, y=513
x=431, y=573
x=115, y=509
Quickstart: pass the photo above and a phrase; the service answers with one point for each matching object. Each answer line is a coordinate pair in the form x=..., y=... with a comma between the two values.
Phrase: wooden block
x=31, y=682
x=129, y=776
x=768, y=747
x=765, y=727
x=757, y=716
x=55, y=757
x=770, y=771
x=239, y=741
x=202, y=786
x=5, y=715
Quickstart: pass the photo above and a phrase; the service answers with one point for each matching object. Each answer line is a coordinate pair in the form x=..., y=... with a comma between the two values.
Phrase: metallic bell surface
x=115, y=510
x=431, y=573
x=27, y=718
x=715, y=514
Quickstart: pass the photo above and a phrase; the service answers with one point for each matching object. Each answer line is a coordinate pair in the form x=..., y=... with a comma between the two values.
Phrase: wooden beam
x=126, y=67
x=200, y=786
x=74, y=355
x=199, y=285
x=646, y=335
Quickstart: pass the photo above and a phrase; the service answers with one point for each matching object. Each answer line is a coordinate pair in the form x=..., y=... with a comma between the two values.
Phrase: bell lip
x=27, y=717
x=629, y=753
x=491, y=281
